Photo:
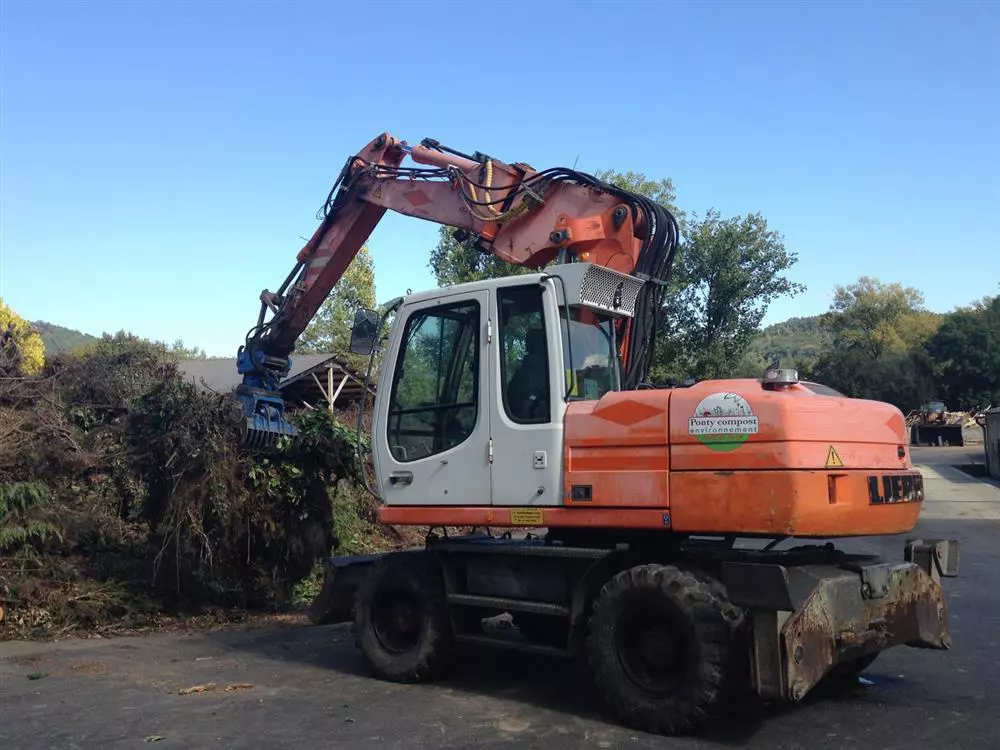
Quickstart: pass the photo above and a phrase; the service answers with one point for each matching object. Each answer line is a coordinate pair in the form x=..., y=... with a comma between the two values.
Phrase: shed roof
x=313, y=384
x=220, y=376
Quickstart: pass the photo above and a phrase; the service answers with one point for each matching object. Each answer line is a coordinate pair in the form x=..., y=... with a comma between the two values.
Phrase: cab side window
x=435, y=391
x=524, y=358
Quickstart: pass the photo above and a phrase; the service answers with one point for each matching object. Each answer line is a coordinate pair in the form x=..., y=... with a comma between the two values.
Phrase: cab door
x=433, y=429
x=527, y=401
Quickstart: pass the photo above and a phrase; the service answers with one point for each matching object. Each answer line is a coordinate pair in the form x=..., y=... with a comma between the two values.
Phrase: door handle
x=403, y=478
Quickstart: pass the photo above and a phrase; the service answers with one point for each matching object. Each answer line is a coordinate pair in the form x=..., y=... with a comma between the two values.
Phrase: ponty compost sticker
x=723, y=421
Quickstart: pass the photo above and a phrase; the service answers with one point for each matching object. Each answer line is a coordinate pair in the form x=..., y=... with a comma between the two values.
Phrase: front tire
x=401, y=619
x=660, y=648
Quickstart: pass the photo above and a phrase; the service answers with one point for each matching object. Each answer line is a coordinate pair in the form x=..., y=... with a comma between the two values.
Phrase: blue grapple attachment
x=263, y=407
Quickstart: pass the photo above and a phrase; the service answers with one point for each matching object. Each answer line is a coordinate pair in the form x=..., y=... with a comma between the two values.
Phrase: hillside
x=59, y=339
x=797, y=342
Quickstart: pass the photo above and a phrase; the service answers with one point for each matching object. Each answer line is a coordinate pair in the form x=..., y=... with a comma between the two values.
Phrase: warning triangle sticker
x=832, y=459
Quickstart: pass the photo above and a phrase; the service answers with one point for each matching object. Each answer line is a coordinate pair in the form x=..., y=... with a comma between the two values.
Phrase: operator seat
x=528, y=390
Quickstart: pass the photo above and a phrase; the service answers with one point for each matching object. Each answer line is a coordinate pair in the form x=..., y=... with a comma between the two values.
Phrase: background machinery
x=933, y=424
x=657, y=514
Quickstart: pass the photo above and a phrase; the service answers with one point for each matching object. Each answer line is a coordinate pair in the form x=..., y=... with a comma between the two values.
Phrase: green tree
x=181, y=352
x=727, y=273
x=877, y=334
x=878, y=318
x=966, y=348
x=903, y=378
x=329, y=332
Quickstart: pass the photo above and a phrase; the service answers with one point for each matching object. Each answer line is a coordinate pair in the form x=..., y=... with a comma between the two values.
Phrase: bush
x=20, y=527
x=226, y=525
x=124, y=492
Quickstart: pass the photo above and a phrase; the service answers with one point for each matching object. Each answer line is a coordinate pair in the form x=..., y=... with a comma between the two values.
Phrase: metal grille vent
x=608, y=290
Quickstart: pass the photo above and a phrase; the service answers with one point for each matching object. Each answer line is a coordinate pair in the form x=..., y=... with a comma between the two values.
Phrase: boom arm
x=523, y=216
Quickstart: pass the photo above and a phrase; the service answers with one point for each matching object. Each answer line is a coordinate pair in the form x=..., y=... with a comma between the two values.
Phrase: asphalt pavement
x=303, y=686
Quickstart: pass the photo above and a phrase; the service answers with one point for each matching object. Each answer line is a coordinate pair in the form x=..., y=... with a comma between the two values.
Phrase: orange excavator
x=644, y=529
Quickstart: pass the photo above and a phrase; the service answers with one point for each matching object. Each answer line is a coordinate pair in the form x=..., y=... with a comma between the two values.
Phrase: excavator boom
x=525, y=217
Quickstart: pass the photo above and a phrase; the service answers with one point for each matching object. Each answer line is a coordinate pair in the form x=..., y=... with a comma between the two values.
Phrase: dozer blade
x=807, y=619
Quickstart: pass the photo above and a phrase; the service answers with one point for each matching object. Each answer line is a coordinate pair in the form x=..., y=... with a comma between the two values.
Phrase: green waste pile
x=125, y=497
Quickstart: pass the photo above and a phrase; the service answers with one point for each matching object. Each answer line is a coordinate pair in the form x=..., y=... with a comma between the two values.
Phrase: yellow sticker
x=833, y=460
x=526, y=516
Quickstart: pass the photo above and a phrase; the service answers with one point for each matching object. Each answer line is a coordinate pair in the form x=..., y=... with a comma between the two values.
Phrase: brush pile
x=124, y=495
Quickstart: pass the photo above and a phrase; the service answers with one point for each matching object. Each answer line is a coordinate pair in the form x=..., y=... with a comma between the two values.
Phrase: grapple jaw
x=807, y=619
x=264, y=420
x=263, y=408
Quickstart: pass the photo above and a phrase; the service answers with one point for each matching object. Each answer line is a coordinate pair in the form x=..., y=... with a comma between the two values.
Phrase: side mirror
x=364, y=332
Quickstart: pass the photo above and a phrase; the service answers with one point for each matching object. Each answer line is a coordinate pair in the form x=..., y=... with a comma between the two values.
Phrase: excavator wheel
x=661, y=648
x=739, y=696
x=401, y=619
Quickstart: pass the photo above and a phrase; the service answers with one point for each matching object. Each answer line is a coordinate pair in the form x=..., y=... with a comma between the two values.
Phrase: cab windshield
x=589, y=351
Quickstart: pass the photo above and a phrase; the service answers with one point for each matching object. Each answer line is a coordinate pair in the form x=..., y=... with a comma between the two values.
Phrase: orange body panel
x=788, y=503
x=618, y=448
x=749, y=460
x=723, y=457
x=598, y=518
x=793, y=429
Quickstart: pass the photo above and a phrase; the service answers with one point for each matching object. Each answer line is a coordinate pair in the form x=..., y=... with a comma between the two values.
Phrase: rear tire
x=660, y=648
x=401, y=619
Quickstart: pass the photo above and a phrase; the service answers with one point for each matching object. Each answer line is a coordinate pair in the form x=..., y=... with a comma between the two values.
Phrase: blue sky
x=161, y=160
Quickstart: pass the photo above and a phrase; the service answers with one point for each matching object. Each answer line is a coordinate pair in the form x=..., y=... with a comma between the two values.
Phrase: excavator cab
x=476, y=379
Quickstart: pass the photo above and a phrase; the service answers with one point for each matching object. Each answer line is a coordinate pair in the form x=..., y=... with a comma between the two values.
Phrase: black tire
x=659, y=648
x=735, y=616
x=739, y=696
x=401, y=619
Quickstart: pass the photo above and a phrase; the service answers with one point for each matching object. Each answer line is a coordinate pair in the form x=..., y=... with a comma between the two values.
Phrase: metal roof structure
x=313, y=380
x=332, y=380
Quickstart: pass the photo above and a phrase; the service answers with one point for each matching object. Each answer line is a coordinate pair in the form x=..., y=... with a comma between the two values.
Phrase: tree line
x=884, y=344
